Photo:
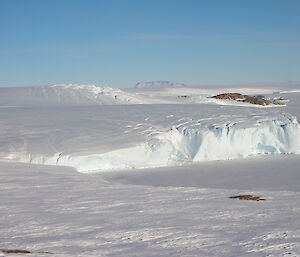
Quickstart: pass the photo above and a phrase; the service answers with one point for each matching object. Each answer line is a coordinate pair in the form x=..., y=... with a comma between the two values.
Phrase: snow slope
x=64, y=95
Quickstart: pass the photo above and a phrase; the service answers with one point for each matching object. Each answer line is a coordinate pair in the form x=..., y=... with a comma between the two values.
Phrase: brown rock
x=14, y=251
x=247, y=197
x=245, y=98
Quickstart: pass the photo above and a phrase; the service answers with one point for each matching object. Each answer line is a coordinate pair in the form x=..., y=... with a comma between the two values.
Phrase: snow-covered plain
x=182, y=209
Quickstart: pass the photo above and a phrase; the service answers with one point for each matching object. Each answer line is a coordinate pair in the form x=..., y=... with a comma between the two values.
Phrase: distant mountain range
x=158, y=84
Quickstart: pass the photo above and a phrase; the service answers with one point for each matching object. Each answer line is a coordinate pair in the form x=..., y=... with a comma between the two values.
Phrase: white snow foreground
x=99, y=138
x=57, y=210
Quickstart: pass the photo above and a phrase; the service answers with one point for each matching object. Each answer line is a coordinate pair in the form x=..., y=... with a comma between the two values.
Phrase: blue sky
x=121, y=42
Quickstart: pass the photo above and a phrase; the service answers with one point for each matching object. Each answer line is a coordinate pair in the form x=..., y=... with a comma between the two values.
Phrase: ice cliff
x=106, y=137
x=194, y=141
x=227, y=141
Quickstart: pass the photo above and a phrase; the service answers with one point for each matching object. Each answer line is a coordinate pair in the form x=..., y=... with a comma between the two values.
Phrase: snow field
x=55, y=209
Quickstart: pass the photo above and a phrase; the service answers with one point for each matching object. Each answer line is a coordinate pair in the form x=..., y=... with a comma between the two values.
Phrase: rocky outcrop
x=247, y=197
x=245, y=98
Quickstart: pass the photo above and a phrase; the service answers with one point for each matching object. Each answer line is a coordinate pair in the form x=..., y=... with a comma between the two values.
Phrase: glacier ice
x=228, y=141
x=196, y=143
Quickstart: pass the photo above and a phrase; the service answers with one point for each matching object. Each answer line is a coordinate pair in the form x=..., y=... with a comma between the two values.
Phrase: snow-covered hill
x=65, y=94
x=158, y=84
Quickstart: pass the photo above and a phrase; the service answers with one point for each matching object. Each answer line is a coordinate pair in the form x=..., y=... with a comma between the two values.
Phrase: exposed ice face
x=141, y=136
x=209, y=141
x=199, y=142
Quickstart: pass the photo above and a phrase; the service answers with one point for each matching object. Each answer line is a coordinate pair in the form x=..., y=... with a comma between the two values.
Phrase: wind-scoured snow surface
x=57, y=210
x=142, y=136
